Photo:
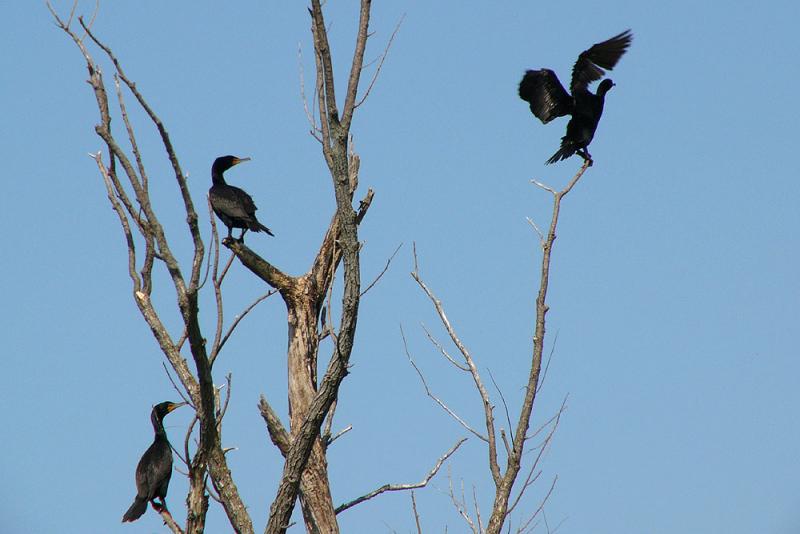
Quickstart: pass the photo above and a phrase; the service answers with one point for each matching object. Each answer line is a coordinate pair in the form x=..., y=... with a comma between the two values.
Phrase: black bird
x=548, y=98
x=155, y=467
x=233, y=206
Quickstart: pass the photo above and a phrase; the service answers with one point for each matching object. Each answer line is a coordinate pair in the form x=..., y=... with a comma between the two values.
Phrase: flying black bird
x=155, y=467
x=548, y=98
x=233, y=206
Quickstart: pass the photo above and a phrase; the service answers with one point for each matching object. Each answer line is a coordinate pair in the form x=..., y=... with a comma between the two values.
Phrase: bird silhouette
x=234, y=207
x=155, y=467
x=548, y=99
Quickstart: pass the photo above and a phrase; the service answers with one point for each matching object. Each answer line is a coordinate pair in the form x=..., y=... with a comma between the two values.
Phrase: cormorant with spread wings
x=548, y=99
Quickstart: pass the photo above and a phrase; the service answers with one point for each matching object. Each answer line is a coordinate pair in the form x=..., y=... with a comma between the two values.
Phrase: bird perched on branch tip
x=548, y=99
x=234, y=207
x=155, y=467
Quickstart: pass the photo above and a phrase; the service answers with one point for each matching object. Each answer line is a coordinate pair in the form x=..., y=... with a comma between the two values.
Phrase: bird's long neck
x=216, y=176
x=158, y=427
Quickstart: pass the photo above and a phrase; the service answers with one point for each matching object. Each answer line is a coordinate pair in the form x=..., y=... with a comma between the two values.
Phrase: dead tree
x=517, y=444
x=311, y=400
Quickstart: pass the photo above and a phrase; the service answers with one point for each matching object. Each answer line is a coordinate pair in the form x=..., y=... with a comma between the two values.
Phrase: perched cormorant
x=548, y=98
x=155, y=467
x=233, y=206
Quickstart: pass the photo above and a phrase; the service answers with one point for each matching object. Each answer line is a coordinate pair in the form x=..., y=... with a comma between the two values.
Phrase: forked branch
x=403, y=487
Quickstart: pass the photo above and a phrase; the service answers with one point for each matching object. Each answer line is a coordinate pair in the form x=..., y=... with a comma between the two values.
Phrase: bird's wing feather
x=234, y=202
x=590, y=64
x=547, y=97
x=155, y=465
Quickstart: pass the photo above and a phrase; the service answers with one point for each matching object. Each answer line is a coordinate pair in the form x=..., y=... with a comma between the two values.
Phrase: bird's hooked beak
x=175, y=405
x=237, y=161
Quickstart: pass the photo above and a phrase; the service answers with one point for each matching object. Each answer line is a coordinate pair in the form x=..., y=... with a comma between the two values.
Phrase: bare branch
x=416, y=515
x=339, y=434
x=500, y=508
x=554, y=418
x=315, y=130
x=191, y=214
x=547, y=363
x=385, y=268
x=477, y=508
x=277, y=432
x=476, y=378
x=224, y=410
x=461, y=506
x=543, y=186
x=261, y=267
x=401, y=487
x=380, y=63
x=505, y=405
x=358, y=62
x=538, y=231
x=123, y=220
x=170, y=521
x=442, y=350
x=436, y=399
x=237, y=319
x=541, y=505
x=326, y=433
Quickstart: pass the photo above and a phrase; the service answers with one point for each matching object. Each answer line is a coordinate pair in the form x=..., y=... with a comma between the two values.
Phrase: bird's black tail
x=567, y=149
x=262, y=228
x=136, y=510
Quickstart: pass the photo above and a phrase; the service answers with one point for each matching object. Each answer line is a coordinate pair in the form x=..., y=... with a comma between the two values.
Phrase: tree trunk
x=303, y=312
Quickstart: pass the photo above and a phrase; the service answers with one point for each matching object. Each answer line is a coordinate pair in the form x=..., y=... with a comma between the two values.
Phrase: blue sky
x=675, y=291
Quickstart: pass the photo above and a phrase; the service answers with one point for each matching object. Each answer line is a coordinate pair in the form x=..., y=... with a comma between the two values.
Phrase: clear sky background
x=675, y=291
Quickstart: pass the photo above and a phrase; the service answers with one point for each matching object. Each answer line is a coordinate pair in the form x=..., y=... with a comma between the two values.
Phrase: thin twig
x=385, y=268
x=538, y=231
x=460, y=506
x=380, y=64
x=547, y=363
x=543, y=186
x=326, y=433
x=505, y=405
x=442, y=350
x=491, y=438
x=339, y=434
x=416, y=515
x=436, y=399
x=178, y=390
x=542, y=503
x=311, y=116
x=477, y=508
x=237, y=319
x=401, y=487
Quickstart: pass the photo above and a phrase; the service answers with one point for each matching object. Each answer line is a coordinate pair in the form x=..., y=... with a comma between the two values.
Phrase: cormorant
x=548, y=98
x=155, y=467
x=233, y=206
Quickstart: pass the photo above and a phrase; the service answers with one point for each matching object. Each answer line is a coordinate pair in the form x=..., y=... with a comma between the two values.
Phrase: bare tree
x=514, y=446
x=311, y=401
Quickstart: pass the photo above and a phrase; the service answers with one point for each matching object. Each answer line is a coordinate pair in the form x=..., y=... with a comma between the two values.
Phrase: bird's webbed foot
x=241, y=237
x=585, y=155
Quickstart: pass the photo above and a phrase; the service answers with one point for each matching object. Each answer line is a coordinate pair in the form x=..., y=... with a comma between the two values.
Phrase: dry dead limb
x=436, y=399
x=402, y=487
x=442, y=350
x=416, y=514
x=505, y=480
x=170, y=521
x=461, y=505
x=385, y=268
x=488, y=408
x=380, y=62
